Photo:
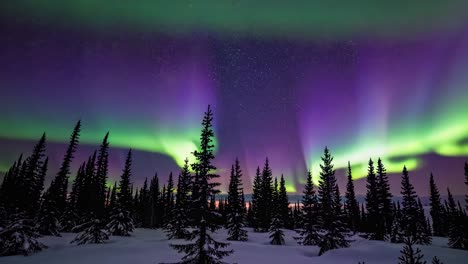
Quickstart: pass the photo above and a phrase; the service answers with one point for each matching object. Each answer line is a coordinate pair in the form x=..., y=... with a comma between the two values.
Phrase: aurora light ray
x=379, y=80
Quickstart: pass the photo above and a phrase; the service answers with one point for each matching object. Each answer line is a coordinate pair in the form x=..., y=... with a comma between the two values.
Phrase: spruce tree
x=155, y=210
x=436, y=209
x=409, y=254
x=333, y=236
x=372, y=202
x=436, y=260
x=466, y=183
x=61, y=180
x=352, y=205
x=457, y=233
x=410, y=222
x=265, y=204
x=276, y=234
x=19, y=237
x=169, y=200
x=283, y=203
x=384, y=198
x=236, y=218
x=177, y=226
x=256, y=201
x=100, y=178
x=92, y=233
x=121, y=222
x=309, y=235
x=204, y=249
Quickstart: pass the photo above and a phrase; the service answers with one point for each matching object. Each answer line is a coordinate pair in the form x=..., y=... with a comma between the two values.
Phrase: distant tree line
x=191, y=209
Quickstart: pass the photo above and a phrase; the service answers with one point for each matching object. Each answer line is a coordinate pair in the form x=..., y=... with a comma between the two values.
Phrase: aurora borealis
x=368, y=80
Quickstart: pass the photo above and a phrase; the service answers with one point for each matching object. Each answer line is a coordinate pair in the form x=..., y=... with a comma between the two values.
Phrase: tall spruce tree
x=333, y=236
x=410, y=222
x=384, y=198
x=372, y=202
x=121, y=222
x=256, y=200
x=436, y=209
x=236, y=217
x=457, y=221
x=155, y=210
x=100, y=178
x=351, y=205
x=204, y=249
x=309, y=235
x=265, y=204
x=283, y=203
x=177, y=226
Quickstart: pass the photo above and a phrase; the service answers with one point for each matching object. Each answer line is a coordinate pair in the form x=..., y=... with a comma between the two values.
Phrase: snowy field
x=148, y=246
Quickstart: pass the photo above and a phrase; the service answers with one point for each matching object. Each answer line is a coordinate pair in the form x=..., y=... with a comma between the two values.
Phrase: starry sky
x=366, y=79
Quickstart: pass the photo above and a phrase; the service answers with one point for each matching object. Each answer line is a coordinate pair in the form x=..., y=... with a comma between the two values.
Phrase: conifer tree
x=177, y=226
x=436, y=209
x=457, y=234
x=235, y=219
x=333, y=236
x=396, y=233
x=384, y=197
x=283, y=203
x=169, y=200
x=276, y=234
x=466, y=183
x=425, y=233
x=309, y=235
x=265, y=204
x=257, y=200
x=204, y=249
x=436, y=260
x=92, y=233
x=61, y=180
x=143, y=205
x=410, y=222
x=155, y=210
x=100, y=178
x=409, y=254
x=372, y=202
x=352, y=205
x=121, y=222
x=19, y=237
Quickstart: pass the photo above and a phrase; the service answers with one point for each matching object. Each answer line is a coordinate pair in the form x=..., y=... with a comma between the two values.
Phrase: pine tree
x=265, y=204
x=410, y=222
x=436, y=260
x=92, y=233
x=204, y=249
x=121, y=222
x=155, y=210
x=143, y=206
x=352, y=205
x=409, y=254
x=333, y=232
x=384, y=198
x=309, y=235
x=177, y=226
x=396, y=233
x=436, y=209
x=276, y=234
x=372, y=202
x=61, y=180
x=466, y=183
x=257, y=201
x=235, y=208
x=425, y=234
x=19, y=237
x=458, y=235
x=283, y=203
x=169, y=200
x=100, y=178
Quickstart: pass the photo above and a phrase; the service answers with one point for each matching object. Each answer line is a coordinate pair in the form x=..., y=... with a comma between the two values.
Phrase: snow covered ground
x=151, y=246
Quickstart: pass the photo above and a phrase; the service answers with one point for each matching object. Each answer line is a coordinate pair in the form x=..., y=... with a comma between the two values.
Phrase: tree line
x=189, y=209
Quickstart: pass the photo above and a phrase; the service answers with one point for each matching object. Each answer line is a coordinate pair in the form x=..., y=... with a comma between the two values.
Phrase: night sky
x=367, y=80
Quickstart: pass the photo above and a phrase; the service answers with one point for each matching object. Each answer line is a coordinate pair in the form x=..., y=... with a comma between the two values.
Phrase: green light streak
x=270, y=18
